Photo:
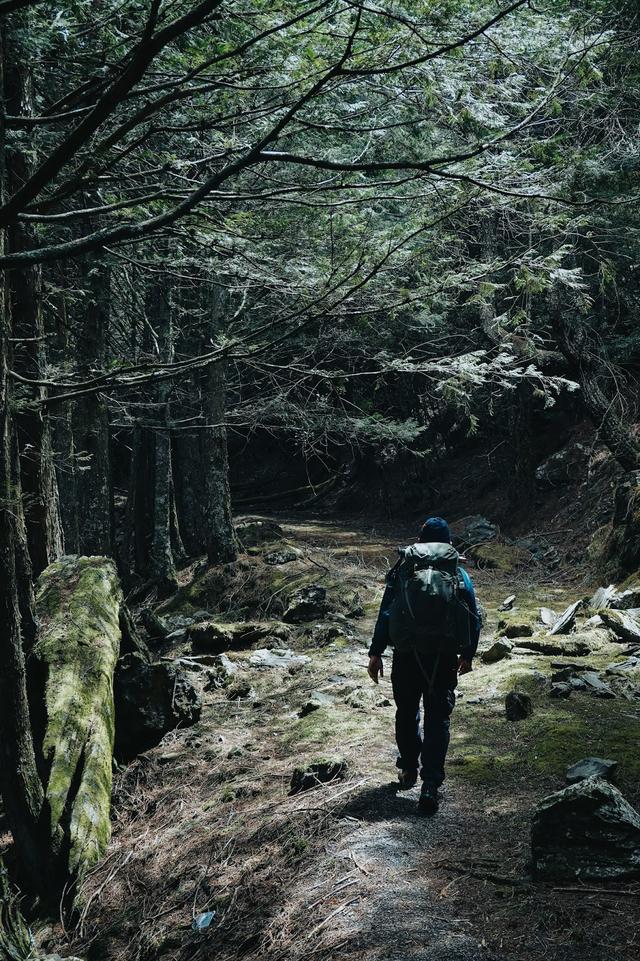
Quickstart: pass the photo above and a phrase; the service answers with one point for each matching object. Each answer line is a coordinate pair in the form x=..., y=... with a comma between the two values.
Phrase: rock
x=560, y=689
x=626, y=600
x=572, y=647
x=151, y=699
x=499, y=557
x=307, y=604
x=595, y=685
x=321, y=635
x=560, y=468
x=277, y=657
x=238, y=689
x=283, y=556
x=321, y=771
x=253, y=531
x=548, y=617
x=216, y=637
x=630, y=666
x=220, y=672
x=602, y=597
x=514, y=625
x=594, y=622
x=507, y=603
x=591, y=767
x=587, y=831
x=317, y=700
x=566, y=620
x=517, y=706
x=474, y=529
x=624, y=624
x=498, y=650
x=155, y=627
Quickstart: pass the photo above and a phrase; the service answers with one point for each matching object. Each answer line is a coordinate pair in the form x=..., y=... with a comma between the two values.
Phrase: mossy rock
x=215, y=637
x=320, y=771
x=505, y=558
x=514, y=624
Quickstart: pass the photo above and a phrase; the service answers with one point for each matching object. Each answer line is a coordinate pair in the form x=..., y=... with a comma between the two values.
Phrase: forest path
x=206, y=821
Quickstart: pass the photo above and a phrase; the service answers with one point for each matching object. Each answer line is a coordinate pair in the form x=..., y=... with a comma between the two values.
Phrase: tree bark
x=40, y=491
x=79, y=604
x=222, y=546
x=22, y=791
x=90, y=421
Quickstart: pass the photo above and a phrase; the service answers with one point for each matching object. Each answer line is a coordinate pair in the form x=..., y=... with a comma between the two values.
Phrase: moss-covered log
x=79, y=603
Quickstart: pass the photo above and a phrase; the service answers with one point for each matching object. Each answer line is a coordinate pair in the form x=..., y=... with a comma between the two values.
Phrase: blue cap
x=435, y=530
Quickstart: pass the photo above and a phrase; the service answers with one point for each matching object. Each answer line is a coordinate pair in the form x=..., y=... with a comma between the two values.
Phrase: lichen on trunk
x=79, y=602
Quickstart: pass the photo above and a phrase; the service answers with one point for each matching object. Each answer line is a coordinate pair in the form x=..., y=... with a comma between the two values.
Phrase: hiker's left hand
x=464, y=666
x=376, y=667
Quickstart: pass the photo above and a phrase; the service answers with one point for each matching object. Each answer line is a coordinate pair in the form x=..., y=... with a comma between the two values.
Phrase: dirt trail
x=205, y=821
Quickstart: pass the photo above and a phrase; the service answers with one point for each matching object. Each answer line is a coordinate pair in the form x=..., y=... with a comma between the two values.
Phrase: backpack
x=427, y=614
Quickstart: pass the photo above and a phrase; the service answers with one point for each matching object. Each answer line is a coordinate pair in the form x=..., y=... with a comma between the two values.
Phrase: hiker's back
x=427, y=613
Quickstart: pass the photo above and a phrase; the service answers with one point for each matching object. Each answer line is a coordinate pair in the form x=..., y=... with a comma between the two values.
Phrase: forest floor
x=206, y=822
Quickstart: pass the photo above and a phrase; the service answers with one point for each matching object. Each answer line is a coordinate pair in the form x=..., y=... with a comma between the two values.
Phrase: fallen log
x=79, y=603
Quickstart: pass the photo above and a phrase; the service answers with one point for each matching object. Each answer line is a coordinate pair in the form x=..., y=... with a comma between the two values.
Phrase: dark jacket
x=381, y=630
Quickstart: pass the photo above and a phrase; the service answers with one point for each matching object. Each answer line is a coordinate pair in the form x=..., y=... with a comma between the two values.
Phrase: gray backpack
x=425, y=613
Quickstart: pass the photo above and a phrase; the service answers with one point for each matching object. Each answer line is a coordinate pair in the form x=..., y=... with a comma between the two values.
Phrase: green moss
x=78, y=605
x=500, y=557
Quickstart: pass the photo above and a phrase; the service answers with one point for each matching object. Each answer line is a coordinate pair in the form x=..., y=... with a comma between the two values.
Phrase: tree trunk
x=222, y=546
x=21, y=788
x=162, y=567
x=90, y=421
x=42, y=514
x=79, y=603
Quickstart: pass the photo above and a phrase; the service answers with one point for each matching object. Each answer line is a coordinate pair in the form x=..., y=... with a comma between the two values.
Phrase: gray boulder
x=624, y=624
x=591, y=767
x=587, y=831
x=215, y=637
x=560, y=468
x=517, y=706
x=474, y=529
x=317, y=700
x=150, y=700
x=626, y=600
x=498, y=650
x=572, y=647
x=566, y=620
x=560, y=689
x=307, y=604
x=548, y=616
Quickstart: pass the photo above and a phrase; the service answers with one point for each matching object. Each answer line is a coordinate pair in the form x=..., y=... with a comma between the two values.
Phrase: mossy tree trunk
x=79, y=603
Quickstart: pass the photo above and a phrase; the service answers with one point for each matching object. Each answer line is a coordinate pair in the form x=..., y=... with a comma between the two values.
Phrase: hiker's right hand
x=376, y=667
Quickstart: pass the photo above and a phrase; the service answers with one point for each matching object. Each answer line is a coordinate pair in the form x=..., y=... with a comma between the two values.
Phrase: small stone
x=626, y=600
x=317, y=700
x=518, y=705
x=278, y=657
x=284, y=556
x=602, y=597
x=507, y=603
x=560, y=689
x=591, y=767
x=498, y=650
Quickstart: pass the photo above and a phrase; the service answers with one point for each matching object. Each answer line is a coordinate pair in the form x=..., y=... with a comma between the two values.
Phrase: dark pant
x=411, y=685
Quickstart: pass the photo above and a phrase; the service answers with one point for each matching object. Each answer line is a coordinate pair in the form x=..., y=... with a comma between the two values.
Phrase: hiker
x=430, y=617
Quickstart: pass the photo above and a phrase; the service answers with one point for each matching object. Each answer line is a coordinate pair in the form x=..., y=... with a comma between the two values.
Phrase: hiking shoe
x=407, y=779
x=428, y=803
